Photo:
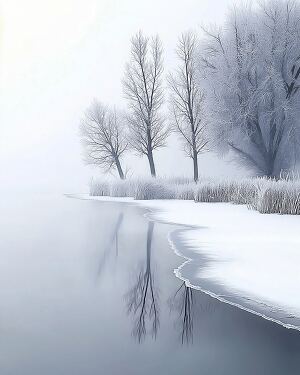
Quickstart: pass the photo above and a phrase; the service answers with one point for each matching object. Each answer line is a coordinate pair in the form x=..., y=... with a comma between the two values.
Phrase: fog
x=56, y=56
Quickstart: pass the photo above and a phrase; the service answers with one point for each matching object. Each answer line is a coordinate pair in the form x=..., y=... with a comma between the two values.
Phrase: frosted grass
x=267, y=196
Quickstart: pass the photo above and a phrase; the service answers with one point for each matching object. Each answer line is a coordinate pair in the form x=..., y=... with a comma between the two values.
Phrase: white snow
x=255, y=255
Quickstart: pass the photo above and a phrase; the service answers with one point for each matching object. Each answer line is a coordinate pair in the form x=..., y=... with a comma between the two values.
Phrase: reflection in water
x=183, y=302
x=114, y=239
x=142, y=298
x=83, y=326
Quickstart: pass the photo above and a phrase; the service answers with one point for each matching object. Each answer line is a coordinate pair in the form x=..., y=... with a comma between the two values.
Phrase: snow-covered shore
x=252, y=257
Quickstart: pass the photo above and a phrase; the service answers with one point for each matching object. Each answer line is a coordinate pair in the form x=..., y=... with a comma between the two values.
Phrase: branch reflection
x=182, y=302
x=142, y=298
x=112, y=243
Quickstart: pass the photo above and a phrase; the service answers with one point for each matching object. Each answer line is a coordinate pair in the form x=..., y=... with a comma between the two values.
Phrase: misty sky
x=55, y=57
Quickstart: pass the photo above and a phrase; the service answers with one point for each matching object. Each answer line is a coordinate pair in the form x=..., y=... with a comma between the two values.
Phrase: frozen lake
x=88, y=287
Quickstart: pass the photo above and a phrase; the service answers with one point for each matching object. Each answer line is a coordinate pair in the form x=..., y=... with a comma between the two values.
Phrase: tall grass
x=145, y=189
x=264, y=195
x=281, y=197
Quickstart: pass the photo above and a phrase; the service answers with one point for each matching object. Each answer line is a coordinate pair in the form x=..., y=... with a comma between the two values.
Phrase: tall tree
x=143, y=90
x=251, y=73
x=187, y=101
x=104, y=138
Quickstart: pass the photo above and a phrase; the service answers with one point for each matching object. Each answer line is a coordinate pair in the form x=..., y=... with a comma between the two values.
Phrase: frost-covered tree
x=103, y=136
x=143, y=90
x=187, y=101
x=251, y=74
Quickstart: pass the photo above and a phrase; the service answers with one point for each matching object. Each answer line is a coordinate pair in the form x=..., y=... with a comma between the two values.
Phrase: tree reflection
x=142, y=299
x=183, y=302
x=113, y=243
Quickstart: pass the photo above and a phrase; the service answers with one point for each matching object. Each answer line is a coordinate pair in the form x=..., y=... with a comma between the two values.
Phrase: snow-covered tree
x=103, y=136
x=187, y=101
x=143, y=90
x=251, y=70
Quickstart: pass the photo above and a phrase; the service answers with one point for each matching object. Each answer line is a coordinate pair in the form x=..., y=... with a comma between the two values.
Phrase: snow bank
x=238, y=255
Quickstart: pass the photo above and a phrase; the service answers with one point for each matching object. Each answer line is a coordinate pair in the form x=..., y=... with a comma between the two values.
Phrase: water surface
x=88, y=287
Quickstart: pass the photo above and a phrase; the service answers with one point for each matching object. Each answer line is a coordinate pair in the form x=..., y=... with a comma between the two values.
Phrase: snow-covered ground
x=253, y=258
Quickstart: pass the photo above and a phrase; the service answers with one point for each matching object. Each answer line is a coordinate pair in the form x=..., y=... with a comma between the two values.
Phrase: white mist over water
x=55, y=57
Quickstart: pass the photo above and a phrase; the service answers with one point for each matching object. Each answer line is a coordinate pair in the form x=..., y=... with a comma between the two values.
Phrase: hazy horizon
x=56, y=57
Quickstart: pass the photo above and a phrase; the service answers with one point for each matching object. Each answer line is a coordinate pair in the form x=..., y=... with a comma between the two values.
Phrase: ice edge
x=150, y=215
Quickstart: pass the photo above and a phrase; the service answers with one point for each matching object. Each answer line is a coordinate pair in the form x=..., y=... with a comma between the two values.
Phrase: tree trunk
x=119, y=168
x=270, y=164
x=195, y=162
x=151, y=163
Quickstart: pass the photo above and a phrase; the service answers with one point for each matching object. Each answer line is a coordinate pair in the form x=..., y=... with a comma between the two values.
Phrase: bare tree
x=104, y=138
x=251, y=73
x=143, y=90
x=187, y=101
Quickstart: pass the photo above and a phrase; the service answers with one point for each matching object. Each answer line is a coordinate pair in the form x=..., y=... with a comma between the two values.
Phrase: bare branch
x=187, y=100
x=103, y=137
x=143, y=89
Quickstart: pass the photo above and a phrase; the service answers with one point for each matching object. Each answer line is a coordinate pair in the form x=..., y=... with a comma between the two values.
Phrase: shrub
x=185, y=191
x=121, y=188
x=281, y=197
x=152, y=189
x=99, y=188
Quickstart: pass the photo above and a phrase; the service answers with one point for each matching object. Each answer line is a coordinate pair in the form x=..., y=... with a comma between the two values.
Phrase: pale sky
x=55, y=57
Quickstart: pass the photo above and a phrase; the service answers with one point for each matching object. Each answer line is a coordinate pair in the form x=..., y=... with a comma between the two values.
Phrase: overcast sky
x=55, y=57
